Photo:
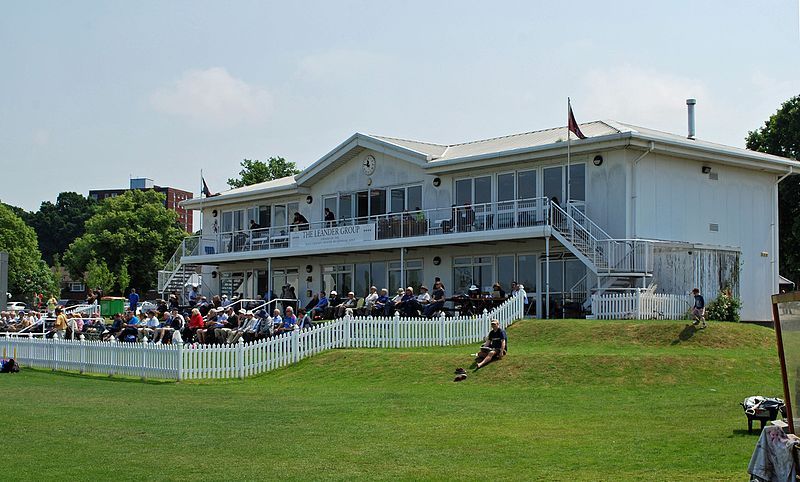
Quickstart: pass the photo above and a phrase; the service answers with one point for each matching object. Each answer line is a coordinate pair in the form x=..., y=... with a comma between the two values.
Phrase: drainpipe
x=635, y=190
x=774, y=233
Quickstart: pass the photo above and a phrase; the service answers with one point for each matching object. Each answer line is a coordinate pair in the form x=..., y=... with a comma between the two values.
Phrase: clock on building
x=368, y=165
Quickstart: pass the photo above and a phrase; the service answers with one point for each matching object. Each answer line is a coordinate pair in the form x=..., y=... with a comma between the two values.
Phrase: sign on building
x=333, y=236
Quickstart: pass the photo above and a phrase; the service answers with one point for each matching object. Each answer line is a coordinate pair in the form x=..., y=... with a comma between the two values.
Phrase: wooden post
x=240, y=358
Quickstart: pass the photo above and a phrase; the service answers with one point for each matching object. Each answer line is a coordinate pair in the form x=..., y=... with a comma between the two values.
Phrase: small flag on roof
x=572, y=124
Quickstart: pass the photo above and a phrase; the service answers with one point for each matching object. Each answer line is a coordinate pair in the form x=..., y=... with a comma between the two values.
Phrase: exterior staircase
x=613, y=263
x=176, y=274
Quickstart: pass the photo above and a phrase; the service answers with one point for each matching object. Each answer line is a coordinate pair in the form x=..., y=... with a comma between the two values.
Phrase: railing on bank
x=640, y=304
x=179, y=362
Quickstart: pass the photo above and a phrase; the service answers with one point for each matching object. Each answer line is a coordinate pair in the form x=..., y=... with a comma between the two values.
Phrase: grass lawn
x=574, y=400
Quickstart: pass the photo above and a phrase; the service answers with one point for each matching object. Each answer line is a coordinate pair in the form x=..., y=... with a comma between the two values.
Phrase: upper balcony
x=467, y=223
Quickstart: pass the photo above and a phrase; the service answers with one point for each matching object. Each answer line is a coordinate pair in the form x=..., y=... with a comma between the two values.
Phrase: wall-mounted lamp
x=706, y=169
x=214, y=213
x=437, y=261
x=309, y=268
x=598, y=159
x=309, y=199
x=437, y=182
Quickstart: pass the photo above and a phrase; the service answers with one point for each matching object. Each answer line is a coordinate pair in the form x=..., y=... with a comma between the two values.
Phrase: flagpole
x=569, y=141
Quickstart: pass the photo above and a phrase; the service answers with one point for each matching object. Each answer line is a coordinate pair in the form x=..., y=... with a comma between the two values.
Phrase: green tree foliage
x=257, y=171
x=27, y=272
x=57, y=225
x=99, y=276
x=133, y=230
x=780, y=136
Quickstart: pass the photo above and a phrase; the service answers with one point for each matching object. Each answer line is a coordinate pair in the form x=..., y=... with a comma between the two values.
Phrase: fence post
x=396, y=329
x=295, y=345
x=179, y=351
x=637, y=303
x=347, y=320
x=144, y=358
x=441, y=328
x=83, y=352
x=240, y=358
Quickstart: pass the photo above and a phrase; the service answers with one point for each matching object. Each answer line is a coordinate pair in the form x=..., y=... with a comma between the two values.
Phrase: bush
x=724, y=308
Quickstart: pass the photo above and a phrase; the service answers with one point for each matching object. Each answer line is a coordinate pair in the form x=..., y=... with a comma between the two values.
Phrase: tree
x=27, y=273
x=257, y=171
x=57, y=225
x=133, y=232
x=780, y=136
x=99, y=276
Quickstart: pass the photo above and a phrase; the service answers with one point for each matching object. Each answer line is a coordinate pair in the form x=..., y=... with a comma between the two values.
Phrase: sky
x=93, y=93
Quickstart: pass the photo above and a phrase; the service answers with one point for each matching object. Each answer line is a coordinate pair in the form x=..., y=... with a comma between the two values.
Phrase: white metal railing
x=179, y=362
x=640, y=304
x=607, y=256
x=82, y=309
x=427, y=222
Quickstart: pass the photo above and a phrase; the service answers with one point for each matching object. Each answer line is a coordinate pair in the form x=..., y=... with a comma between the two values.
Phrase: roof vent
x=690, y=106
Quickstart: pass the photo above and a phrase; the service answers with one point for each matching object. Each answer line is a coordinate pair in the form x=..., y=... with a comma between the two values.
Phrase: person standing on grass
x=495, y=345
x=133, y=300
x=699, y=309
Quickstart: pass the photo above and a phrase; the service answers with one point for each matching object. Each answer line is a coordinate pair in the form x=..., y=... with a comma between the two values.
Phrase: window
x=337, y=277
x=413, y=275
x=227, y=222
x=265, y=216
x=475, y=270
x=553, y=183
x=405, y=199
x=526, y=184
x=77, y=287
x=577, y=182
x=505, y=271
x=369, y=274
x=505, y=187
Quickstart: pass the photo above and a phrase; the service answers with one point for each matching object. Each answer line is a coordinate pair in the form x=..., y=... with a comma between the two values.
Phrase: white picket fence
x=187, y=362
x=640, y=304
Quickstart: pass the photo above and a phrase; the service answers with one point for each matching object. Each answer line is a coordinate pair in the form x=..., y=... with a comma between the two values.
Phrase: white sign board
x=333, y=236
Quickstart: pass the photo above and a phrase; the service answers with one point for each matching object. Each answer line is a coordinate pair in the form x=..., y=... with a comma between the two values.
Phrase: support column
x=403, y=268
x=269, y=283
x=547, y=276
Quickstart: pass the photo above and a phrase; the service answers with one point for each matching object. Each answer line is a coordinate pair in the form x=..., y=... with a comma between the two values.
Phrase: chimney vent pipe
x=690, y=105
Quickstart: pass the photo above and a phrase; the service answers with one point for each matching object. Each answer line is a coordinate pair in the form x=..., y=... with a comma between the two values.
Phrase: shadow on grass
x=685, y=335
x=744, y=433
x=109, y=378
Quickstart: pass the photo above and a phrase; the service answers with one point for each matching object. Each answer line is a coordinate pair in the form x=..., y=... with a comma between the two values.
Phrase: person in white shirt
x=371, y=298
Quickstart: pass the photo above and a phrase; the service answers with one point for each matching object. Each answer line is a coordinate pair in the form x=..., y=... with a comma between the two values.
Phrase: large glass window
x=279, y=216
x=369, y=274
x=265, y=216
x=414, y=198
x=475, y=270
x=505, y=271
x=526, y=271
x=483, y=190
x=413, y=276
x=227, y=222
x=553, y=183
x=345, y=206
x=577, y=182
x=505, y=187
x=337, y=277
x=526, y=184
x=362, y=204
x=463, y=191
x=377, y=202
x=398, y=203
x=330, y=203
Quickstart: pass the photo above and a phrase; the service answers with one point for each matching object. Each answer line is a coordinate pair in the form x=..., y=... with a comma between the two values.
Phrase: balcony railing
x=428, y=222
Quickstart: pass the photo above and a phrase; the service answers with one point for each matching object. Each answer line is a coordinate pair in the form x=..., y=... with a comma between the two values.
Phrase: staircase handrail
x=587, y=223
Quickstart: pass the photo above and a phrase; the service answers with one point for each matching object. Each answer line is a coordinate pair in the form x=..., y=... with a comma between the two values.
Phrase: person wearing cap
x=319, y=309
x=394, y=303
x=408, y=303
x=349, y=302
x=225, y=301
x=494, y=346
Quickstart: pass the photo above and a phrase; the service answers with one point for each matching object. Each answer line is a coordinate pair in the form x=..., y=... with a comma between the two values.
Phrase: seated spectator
x=319, y=309
x=304, y=320
x=254, y=225
x=494, y=346
x=369, y=301
x=230, y=324
x=423, y=298
x=379, y=308
x=195, y=323
x=407, y=305
x=312, y=302
x=349, y=302
x=130, y=331
x=288, y=323
x=116, y=326
x=173, y=302
x=498, y=291
x=266, y=326
x=394, y=303
x=437, y=300
x=148, y=325
x=248, y=326
x=213, y=321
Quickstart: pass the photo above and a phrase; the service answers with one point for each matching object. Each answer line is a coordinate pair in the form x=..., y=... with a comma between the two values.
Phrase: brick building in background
x=174, y=197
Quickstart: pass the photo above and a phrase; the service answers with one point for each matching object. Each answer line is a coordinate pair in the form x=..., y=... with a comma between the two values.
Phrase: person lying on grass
x=494, y=346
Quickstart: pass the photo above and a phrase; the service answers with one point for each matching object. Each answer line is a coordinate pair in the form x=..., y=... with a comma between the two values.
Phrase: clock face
x=368, y=165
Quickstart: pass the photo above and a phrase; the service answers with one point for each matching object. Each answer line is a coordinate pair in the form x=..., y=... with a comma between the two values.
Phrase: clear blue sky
x=95, y=92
